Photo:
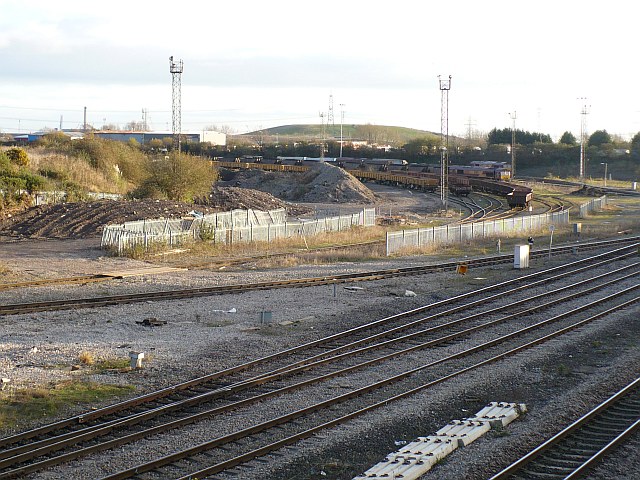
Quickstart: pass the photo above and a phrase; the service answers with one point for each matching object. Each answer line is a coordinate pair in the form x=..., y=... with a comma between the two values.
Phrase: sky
x=252, y=64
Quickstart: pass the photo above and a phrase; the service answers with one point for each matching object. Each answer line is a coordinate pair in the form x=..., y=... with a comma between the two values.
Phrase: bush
x=53, y=174
x=18, y=156
x=117, y=160
x=74, y=192
x=179, y=177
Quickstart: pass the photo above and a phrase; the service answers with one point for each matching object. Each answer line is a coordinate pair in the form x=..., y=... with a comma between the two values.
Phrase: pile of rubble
x=261, y=190
x=324, y=183
x=228, y=198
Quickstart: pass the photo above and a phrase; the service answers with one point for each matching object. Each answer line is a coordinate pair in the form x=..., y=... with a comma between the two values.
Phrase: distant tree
x=599, y=138
x=155, y=143
x=226, y=129
x=568, y=138
x=422, y=147
x=635, y=144
x=502, y=137
x=135, y=126
x=55, y=139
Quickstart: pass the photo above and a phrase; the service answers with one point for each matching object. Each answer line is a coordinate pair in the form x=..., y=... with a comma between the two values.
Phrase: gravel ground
x=209, y=333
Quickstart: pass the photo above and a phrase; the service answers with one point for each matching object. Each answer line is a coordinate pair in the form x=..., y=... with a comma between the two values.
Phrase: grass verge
x=25, y=405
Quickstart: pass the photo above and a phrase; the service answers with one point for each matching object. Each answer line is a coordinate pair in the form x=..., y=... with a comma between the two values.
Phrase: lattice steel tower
x=445, y=86
x=583, y=138
x=176, y=111
x=513, y=116
x=330, y=119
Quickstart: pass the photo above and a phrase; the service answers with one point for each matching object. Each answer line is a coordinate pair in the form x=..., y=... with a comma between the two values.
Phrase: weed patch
x=30, y=404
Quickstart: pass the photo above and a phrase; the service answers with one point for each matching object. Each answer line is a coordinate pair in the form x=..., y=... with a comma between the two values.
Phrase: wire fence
x=422, y=237
x=231, y=227
x=594, y=205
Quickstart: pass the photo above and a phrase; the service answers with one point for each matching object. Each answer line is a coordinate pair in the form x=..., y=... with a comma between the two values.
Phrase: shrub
x=74, y=192
x=179, y=177
x=86, y=358
x=53, y=174
x=18, y=156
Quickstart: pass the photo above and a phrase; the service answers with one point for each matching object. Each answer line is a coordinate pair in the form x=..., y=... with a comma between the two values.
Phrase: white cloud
x=250, y=61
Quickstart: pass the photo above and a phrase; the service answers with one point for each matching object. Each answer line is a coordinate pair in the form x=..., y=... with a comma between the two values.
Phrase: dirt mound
x=262, y=190
x=322, y=183
x=87, y=219
x=590, y=191
x=228, y=198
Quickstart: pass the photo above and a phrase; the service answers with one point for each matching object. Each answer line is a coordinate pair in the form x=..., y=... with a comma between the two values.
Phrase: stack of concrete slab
x=416, y=458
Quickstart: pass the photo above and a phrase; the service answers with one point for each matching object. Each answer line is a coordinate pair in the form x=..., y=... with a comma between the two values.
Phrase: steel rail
x=94, y=278
x=90, y=416
x=409, y=325
x=155, y=464
x=477, y=348
x=93, y=302
x=34, y=450
x=55, y=281
x=631, y=389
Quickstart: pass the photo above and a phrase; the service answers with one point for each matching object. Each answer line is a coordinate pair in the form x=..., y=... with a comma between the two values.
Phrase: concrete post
x=136, y=359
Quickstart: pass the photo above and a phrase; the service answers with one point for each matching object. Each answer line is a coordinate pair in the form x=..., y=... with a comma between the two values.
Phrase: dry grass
x=18, y=406
x=293, y=245
x=86, y=358
x=75, y=170
x=599, y=182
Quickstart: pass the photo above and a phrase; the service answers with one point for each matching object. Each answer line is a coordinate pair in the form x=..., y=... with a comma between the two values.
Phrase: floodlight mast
x=513, y=116
x=341, y=122
x=176, y=111
x=583, y=138
x=445, y=86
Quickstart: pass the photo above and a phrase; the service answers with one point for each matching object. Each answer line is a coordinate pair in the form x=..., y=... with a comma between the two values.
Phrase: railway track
x=576, y=449
x=493, y=209
x=217, y=264
x=94, y=302
x=428, y=340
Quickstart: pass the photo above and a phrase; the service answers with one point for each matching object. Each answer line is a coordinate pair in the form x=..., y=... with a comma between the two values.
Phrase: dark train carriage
x=520, y=198
x=459, y=185
x=491, y=186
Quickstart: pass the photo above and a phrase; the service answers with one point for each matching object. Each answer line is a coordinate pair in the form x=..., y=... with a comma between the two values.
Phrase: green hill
x=368, y=132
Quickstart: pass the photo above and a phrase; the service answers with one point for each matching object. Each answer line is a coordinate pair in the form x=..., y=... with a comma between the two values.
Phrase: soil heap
x=323, y=183
x=320, y=184
x=87, y=219
x=229, y=198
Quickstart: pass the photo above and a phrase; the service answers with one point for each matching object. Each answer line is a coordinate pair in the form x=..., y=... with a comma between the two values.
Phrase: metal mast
x=583, y=138
x=341, y=122
x=176, y=112
x=445, y=86
x=324, y=136
x=513, y=116
x=330, y=118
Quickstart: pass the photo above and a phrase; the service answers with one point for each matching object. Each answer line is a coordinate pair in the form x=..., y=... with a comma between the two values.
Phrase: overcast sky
x=256, y=64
